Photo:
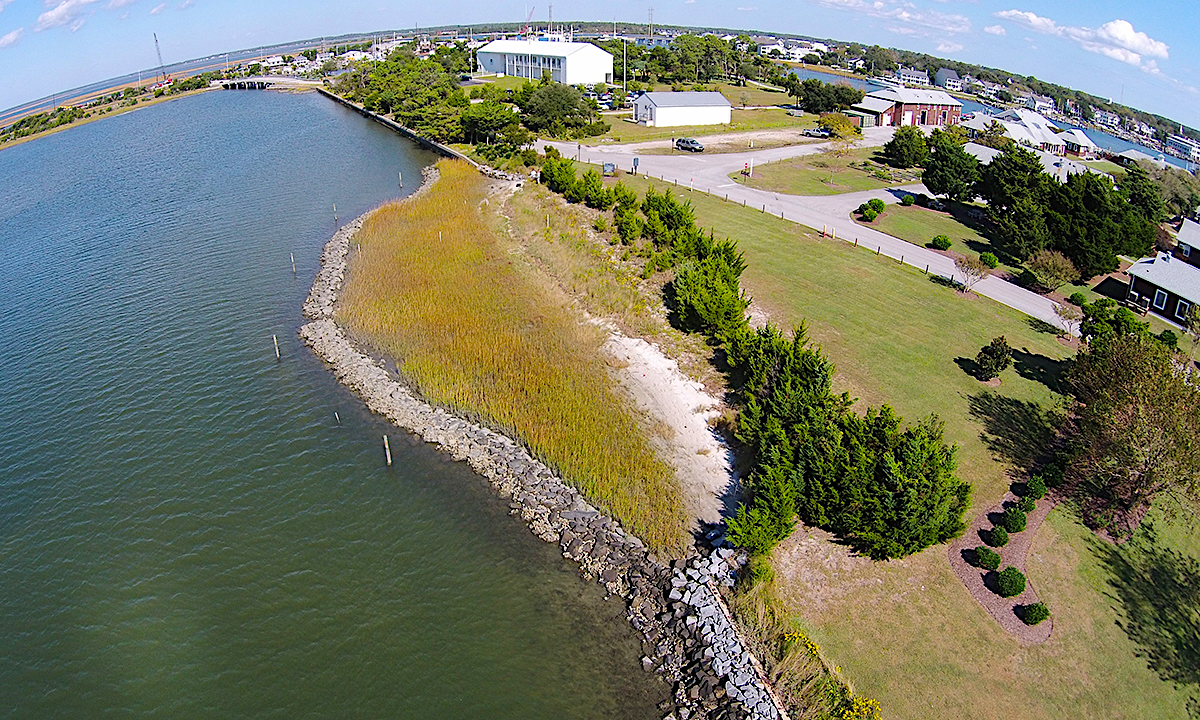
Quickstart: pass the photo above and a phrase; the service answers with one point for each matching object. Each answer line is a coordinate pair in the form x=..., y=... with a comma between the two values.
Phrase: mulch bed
x=1003, y=610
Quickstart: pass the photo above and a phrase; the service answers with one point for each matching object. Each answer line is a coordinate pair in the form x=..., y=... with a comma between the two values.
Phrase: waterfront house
x=912, y=76
x=1168, y=284
x=1079, y=144
x=948, y=79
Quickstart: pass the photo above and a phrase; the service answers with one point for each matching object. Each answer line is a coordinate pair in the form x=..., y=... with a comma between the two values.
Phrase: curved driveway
x=710, y=174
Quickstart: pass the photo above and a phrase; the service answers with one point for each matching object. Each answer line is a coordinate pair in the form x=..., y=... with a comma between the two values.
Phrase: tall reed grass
x=479, y=334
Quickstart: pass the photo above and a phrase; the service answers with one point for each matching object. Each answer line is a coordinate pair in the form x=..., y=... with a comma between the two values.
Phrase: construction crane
x=164, y=79
x=528, y=17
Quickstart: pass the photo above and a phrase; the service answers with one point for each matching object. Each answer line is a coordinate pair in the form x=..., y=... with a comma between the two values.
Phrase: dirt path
x=1003, y=610
x=681, y=408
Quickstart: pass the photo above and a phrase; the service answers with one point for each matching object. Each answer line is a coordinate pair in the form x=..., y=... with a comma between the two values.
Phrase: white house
x=949, y=79
x=912, y=76
x=570, y=63
x=672, y=109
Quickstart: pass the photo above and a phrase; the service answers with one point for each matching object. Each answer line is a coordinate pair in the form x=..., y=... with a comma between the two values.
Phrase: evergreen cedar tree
x=950, y=170
x=907, y=149
x=994, y=358
x=889, y=490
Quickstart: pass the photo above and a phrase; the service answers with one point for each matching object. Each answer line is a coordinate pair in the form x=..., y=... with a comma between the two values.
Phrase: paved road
x=710, y=173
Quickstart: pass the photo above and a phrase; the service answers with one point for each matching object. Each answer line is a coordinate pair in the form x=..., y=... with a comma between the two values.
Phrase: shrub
x=940, y=242
x=1033, y=614
x=998, y=537
x=1077, y=298
x=1035, y=488
x=876, y=204
x=1010, y=582
x=861, y=209
x=908, y=201
x=869, y=215
x=1027, y=504
x=994, y=358
x=987, y=558
x=922, y=200
x=600, y=224
x=990, y=260
x=1013, y=520
x=1169, y=338
x=1053, y=476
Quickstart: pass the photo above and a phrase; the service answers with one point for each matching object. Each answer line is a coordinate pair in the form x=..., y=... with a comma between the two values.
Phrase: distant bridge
x=269, y=82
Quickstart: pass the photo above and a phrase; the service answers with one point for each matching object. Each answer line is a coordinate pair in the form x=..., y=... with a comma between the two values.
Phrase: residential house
x=949, y=79
x=856, y=63
x=912, y=76
x=1039, y=103
x=1056, y=167
x=1104, y=117
x=1024, y=127
x=1169, y=283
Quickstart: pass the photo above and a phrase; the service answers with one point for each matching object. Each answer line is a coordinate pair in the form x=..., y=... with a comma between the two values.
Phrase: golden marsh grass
x=478, y=333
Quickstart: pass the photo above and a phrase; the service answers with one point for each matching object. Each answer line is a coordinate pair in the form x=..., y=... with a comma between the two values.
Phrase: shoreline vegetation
x=430, y=287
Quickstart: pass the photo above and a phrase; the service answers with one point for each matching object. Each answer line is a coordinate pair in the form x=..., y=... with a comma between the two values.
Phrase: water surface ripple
x=185, y=530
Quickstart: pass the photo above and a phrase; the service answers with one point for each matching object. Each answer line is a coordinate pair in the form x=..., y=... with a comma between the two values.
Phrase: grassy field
x=907, y=632
x=745, y=96
x=1106, y=166
x=822, y=174
x=742, y=121
x=919, y=225
x=473, y=331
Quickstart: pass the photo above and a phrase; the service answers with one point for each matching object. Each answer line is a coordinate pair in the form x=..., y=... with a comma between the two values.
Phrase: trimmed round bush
x=1077, y=298
x=861, y=209
x=1033, y=614
x=922, y=200
x=908, y=201
x=1010, y=582
x=990, y=260
x=1013, y=520
x=1035, y=488
x=987, y=558
x=869, y=215
x=1027, y=504
x=940, y=242
x=877, y=205
x=998, y=537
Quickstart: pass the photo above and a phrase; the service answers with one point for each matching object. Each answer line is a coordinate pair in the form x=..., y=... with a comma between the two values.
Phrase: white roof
x=1189, y=234
x=1075, y=136
x=1170, y=274
x=1059, y=168
x=547, y=48
x=874, y=105
x=909, y=96
x=687, y=99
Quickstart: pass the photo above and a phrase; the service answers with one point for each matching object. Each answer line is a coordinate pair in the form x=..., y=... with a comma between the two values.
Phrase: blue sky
x=1145, y=53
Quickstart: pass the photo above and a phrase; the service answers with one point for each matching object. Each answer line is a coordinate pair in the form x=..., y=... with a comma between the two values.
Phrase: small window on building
x=1181, y=310
x=1185, y=249
x=1160, y=299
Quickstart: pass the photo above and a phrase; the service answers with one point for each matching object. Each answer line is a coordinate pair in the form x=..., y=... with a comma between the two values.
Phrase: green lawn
x=1106, y=166
x=906, y=632
x=741, y=121
x=919, y=225
x=825, y=174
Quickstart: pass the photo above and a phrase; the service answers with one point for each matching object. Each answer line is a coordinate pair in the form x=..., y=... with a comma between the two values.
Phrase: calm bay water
x=185, y=529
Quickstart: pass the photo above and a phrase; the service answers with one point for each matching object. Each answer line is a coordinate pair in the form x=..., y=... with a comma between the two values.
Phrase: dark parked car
x=688, y=144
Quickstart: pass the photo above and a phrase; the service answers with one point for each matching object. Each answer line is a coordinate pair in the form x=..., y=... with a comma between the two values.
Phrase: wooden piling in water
x=275, y=340
x=293, y=257
x=337, y=417
x=387, y=450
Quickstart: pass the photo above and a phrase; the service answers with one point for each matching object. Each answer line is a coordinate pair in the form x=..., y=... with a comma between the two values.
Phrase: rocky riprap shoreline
x=687, y=633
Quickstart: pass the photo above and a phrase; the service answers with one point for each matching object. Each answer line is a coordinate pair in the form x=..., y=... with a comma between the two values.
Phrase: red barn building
x=906, y=106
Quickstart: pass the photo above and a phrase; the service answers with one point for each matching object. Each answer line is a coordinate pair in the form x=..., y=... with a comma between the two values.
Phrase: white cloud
x=188, y=3
x=1115, y=39
x=12, y=37
x=903, y=11
x=113, y=4
x=64, y=12
x=995, y=30
x=949, y=47
x=158, y=8
x=747, y=9
x=4, y=3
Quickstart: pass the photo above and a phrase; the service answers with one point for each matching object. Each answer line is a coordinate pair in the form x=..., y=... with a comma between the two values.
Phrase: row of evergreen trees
x=887, y=489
